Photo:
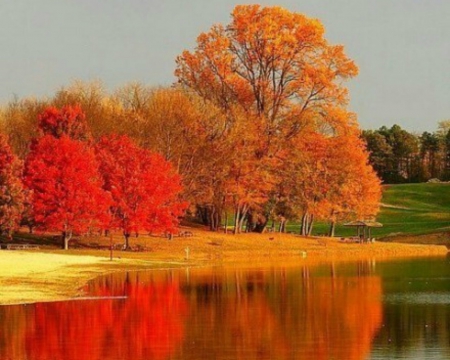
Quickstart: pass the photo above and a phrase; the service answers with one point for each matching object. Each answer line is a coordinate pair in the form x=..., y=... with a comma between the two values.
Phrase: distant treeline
x=399, y=156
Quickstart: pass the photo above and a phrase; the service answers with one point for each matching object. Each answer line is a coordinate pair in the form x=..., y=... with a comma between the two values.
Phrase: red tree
x=67, y=195
x=11, y=189
x=69, y=120
x=144, y=187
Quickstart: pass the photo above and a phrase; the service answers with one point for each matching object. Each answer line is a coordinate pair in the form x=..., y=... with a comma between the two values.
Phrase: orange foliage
x=12, y=197
x=279, y=84
x=272, y=63
x=329, y=177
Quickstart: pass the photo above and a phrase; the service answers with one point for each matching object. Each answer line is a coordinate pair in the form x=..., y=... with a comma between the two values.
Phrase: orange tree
x=356, y=190
x=11, y=189
x=274, y=69
x=272, y=63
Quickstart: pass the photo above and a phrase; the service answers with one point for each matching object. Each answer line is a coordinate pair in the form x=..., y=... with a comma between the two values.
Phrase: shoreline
x=53, y=275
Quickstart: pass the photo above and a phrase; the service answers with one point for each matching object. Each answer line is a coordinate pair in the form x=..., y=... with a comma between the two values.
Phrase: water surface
x=364, y=310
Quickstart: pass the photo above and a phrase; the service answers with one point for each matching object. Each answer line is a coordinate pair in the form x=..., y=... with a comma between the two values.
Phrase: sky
x=402, y=48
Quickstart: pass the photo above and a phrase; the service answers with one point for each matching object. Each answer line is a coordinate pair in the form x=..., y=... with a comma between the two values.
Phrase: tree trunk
x=212, y=222
x=66, y=236
x=282, y=228
x=218, y=219
x=310, y=225
x=303, y=226
x=127, y=240
x=243, y=217
x=236, y=221
x=225, y=229
x=332, y=229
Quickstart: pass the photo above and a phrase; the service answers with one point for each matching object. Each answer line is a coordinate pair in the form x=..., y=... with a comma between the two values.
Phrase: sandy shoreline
x=36, y=276
x=31, y=276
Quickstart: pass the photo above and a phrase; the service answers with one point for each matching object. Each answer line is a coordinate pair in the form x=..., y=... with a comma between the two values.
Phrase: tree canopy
x=255, y=130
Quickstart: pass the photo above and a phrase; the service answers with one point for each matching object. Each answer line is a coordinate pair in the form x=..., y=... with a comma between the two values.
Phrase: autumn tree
x=355, y=189
x=67, y=121
x=11, y=189
x=62, y=174
x=306, y=179
x=272, y=63
x=101, y=114
x=144, y=187
x=172, y=123
x=275, y=70
x=19, y=120
x=314, y=186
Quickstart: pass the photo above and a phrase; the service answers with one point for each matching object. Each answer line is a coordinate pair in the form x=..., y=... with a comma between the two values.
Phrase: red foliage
x=67, y=195
x=144, y=186
x=11, y=189
x=69, y=120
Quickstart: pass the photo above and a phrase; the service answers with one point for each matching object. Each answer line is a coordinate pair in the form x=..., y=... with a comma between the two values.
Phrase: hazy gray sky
x=402, y=48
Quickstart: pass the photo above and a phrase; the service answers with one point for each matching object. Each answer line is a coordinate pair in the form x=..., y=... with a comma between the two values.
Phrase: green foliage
x=402, y=157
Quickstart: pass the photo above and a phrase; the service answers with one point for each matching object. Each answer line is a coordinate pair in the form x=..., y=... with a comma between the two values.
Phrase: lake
x=365, y=310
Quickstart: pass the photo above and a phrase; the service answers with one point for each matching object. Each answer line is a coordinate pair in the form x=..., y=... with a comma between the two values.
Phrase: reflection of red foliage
x=149, y=324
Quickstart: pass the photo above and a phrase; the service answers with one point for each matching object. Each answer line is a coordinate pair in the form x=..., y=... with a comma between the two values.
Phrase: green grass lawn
x=421, y=208
x=406, y=209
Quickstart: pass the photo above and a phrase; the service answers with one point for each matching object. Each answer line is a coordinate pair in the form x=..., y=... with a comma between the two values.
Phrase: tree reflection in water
x=283, y=315
x=149, y=324
x=203, y=314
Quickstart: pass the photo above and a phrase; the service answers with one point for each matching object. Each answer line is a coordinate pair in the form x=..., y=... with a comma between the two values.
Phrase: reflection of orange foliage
x=318, y=318
x=256, y=331
x=344, y=315
x=149, y=324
